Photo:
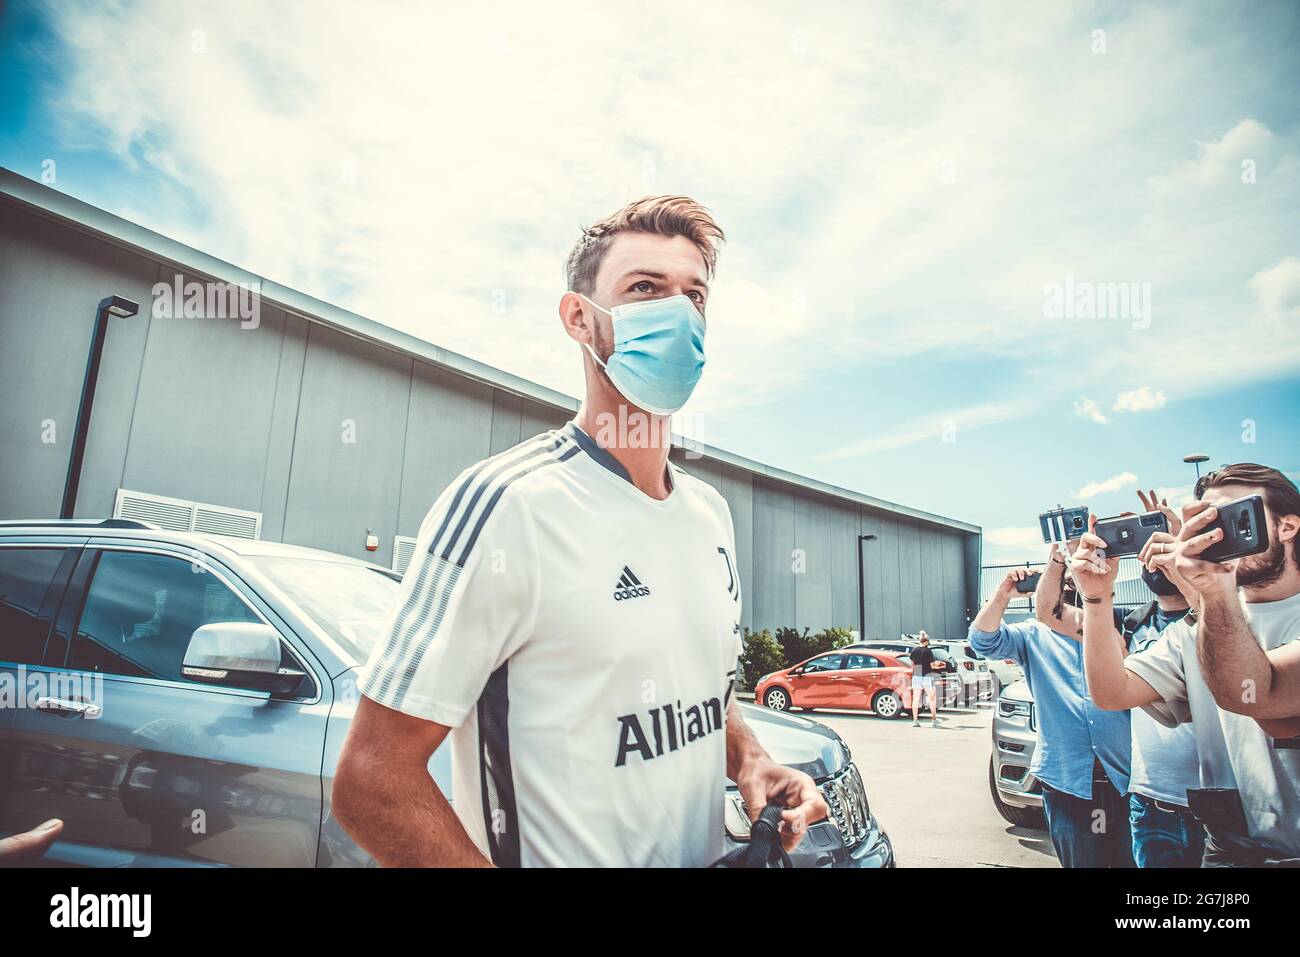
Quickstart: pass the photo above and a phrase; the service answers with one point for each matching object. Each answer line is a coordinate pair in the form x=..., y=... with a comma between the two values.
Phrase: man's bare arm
x=386, y=800
x=1243, y=677
x=1112, y=686
x=1049, y=603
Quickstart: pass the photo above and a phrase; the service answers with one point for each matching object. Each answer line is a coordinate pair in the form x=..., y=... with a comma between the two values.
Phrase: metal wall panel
x=339, y=489
x=812, y=574
x=449, y=428
x=773, y=588
x=51, y=282
x=206, y=397
x=284, y=426
x=738, y=490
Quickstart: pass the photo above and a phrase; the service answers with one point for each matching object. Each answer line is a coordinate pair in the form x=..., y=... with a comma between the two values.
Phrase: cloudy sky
x=932, y=208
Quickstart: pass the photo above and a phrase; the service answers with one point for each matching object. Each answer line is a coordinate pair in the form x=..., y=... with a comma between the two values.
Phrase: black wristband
x=1091, y=601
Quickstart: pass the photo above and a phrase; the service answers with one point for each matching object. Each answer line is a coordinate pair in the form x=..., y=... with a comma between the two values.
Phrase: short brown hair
x=1279, y=492
x=664, y=215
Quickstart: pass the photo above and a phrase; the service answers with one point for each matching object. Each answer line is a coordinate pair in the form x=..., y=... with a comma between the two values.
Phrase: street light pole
x=1196, y=458
x=112, y=306
x=862, y=591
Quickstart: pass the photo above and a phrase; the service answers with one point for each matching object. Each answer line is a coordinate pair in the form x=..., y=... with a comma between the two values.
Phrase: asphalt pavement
x=929, y=789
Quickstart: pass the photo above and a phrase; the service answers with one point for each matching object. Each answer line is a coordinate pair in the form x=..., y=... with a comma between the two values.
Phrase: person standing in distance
x=571, y=618
x=924, y=667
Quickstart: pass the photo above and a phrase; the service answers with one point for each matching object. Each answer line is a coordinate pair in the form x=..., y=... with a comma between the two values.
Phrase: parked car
x=853, y=678
x=158, y=746
x=978, y=682
x=1017, y=793
x=953, y=688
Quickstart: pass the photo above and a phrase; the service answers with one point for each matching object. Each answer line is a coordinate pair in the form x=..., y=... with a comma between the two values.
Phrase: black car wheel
x=1029, y=817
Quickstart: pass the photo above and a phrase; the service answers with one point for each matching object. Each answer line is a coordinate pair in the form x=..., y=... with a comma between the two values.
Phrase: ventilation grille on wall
x=403, y=549
x=181, y=515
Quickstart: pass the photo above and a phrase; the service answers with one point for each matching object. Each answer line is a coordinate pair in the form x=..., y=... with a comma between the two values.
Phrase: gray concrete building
x=322, y=427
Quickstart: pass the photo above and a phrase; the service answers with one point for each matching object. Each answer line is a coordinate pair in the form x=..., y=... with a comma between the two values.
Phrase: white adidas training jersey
x=581, y=640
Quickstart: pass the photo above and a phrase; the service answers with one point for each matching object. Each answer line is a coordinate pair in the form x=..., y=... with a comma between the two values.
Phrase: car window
x=905, y=660
x=861, y=661
x=141, y=611
x=824, y=663
x=25, y=575
x=352, y=602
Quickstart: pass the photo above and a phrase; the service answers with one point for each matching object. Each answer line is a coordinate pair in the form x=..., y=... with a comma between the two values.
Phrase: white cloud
x=1144, y=399
x=1112, y=484
x=1278, y=290
x=1087, y=408
x=1013, y=543
x=887, y=182
x=933, y=427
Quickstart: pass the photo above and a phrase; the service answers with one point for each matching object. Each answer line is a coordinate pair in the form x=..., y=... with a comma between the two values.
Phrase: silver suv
x=181, y=699
x=1017, y=793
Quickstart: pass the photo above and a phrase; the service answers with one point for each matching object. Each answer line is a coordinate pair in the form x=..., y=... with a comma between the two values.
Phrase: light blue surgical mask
x=658, y=352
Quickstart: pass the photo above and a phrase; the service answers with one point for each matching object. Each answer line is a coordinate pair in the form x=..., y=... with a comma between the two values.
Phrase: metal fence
x=1130, y=590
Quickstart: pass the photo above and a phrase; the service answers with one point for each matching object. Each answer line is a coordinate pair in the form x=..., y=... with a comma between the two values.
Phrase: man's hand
x=1094, y=574
x=1151, y=504
x=765, y=782
x=1207, y=580
x=1007, y=588
x=28, y=847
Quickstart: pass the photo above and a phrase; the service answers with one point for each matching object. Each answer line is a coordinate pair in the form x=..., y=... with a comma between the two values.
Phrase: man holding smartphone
x=1225, y=670
x=1082, y=758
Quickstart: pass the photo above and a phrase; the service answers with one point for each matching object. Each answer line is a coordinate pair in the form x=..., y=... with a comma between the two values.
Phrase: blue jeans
x=1164, y=838
x=1092, y=833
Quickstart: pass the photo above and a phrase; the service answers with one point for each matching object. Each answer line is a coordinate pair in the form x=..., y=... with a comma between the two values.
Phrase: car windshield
x=351, y=602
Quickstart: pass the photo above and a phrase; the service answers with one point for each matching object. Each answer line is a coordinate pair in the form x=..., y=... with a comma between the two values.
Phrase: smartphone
x=1030, y=583
x=1125, y=535
x=1245, y=530
x=1063, y=524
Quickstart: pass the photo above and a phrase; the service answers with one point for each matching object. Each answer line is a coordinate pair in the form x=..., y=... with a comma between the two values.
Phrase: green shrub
x=802, y=645
x=761, y=655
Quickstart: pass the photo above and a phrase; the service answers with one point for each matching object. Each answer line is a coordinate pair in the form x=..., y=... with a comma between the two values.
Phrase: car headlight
x=1009, y=708
x=735, y=818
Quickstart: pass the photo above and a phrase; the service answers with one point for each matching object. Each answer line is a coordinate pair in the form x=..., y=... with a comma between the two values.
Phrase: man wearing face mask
x=571, y=619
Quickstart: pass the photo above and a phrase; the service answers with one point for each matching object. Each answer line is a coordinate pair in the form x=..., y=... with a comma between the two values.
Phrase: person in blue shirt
x=1082, y=756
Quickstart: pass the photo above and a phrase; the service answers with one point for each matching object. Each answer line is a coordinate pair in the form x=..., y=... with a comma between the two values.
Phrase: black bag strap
x=1136, y=619
x=764, y=848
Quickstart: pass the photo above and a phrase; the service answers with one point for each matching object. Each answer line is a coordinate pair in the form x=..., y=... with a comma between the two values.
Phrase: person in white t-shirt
x=572, y=616
x=1249, y=794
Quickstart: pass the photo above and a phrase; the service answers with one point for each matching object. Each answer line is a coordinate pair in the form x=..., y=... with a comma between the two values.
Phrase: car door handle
x=69, y=707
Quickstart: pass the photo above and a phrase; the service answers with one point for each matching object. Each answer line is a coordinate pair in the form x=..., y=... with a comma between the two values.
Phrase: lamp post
x=1196, y=458
x=112, y=306
x=862, y=591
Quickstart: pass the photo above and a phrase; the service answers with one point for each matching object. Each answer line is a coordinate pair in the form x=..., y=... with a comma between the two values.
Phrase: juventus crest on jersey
x=581, y=639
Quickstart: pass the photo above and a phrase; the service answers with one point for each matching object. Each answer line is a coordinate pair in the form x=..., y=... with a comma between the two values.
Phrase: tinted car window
x=824, y=663
x=861, y=661
x=141, y=611
x=25, y=574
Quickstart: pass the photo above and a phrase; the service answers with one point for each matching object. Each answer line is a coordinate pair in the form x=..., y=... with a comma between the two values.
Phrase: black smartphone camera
x=1063, y=524
x=1245, y=530
x=1029, y=583
x=1126, y=534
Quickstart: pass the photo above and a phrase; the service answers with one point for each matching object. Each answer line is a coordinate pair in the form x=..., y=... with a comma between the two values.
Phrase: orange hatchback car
x=877, y=681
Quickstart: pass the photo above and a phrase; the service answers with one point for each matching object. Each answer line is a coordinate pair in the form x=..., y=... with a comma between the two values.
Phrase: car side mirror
x=242, y=654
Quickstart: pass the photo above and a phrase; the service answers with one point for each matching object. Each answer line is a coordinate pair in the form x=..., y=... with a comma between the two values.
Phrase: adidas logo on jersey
x=629, y=586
